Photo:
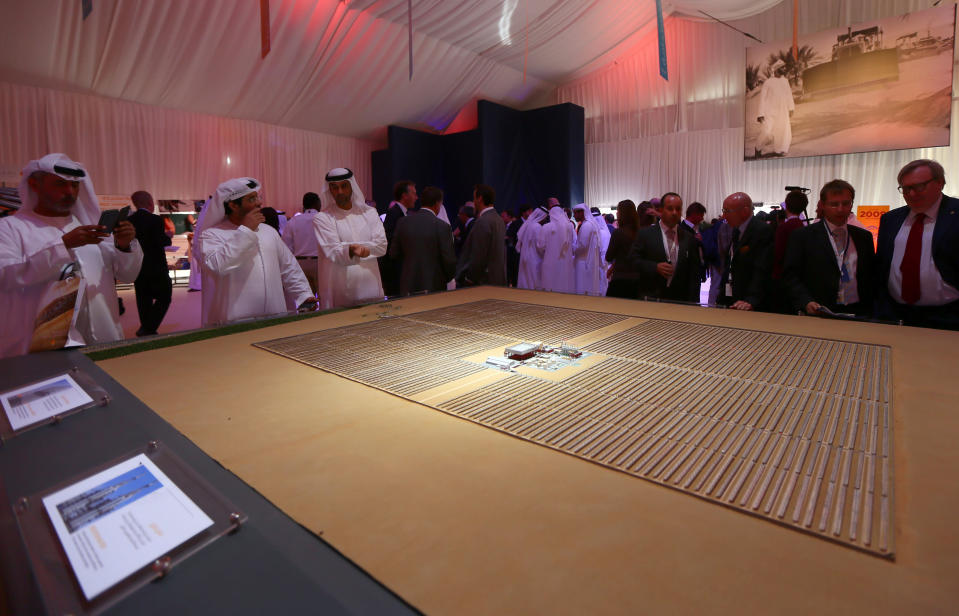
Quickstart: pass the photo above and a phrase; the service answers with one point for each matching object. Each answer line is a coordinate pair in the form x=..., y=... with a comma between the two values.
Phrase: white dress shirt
x=298, y=234
x=670, y=248
x=848, y=292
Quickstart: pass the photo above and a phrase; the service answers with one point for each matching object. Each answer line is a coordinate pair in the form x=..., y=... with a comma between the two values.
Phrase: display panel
x=879, y=85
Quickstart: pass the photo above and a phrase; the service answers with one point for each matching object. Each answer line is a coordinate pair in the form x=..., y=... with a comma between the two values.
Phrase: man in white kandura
x=530, y=259
x=555, y=242
x=604, y=233
x=56, y=271
x=247, y=269
x=351, y=237
x=588, y=263
x=604, y=237
x=775, y=110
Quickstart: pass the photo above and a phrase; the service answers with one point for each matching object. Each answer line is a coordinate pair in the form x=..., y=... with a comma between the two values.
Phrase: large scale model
x=792, y=429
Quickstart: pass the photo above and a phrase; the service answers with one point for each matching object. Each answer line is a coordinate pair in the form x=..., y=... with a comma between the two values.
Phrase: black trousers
x=623, y=287
x=940, y=317
x=153, y=299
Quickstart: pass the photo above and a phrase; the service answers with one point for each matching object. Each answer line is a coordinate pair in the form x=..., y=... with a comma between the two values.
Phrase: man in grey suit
x=424, y=245
x=483, y=260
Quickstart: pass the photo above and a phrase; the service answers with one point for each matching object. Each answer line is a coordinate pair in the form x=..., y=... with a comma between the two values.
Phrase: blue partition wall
x=527, y=156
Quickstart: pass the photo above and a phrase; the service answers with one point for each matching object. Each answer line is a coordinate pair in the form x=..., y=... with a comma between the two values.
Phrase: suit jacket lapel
x=899, y=217
x=686, y=243
x=656, y=240
x=944, y=220
x=862, y=241
x=748, y=234
x=826, y=245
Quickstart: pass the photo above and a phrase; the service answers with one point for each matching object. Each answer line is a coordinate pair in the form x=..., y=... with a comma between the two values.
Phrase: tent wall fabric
x=171, y=154
x=336, y=67
x=341, y=68
x=645, y=136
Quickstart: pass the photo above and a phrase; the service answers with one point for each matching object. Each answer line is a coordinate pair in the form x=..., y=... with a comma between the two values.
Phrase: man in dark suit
x=747, y=266
x=404, y=198
x=462, y=225
x=483, y=260
x=796, y=203
x=423, y=244
x=513, y=221
x=666, y=257
x=831, y=264
x=918, y=252
x=695, y=214
x=153, y=287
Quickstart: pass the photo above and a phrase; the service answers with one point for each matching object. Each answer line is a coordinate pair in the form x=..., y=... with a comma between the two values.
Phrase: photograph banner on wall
x=879, y=85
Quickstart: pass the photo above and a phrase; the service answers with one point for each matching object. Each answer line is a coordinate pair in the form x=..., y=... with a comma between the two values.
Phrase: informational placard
x=43, y=400
x=119, y=520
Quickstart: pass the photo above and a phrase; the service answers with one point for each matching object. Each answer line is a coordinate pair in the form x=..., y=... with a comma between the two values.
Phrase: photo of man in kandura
x=880, y=85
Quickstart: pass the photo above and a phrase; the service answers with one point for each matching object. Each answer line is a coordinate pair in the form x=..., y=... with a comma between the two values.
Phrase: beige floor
x=184, y=312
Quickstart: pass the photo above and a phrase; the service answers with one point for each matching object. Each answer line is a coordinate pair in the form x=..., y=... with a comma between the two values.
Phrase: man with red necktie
x=918, y=252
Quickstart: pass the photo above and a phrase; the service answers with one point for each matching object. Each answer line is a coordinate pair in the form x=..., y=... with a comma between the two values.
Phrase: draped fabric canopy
x=646, y=136
x=336, y=66
x=173, y=97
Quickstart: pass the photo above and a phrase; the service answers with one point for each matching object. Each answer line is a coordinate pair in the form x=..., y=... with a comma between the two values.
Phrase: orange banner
x=869, y=216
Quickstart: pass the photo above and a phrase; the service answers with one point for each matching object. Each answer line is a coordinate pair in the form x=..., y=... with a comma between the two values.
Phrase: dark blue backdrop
x=527, y=156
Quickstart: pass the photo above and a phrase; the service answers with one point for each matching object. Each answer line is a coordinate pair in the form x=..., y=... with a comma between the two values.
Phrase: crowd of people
x=775, y=262
x=58, y=265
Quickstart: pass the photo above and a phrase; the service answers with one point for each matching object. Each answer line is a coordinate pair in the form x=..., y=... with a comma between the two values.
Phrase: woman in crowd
x=623, y=279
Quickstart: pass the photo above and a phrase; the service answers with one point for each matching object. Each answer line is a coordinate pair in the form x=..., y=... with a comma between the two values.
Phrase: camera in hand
x=110, y=218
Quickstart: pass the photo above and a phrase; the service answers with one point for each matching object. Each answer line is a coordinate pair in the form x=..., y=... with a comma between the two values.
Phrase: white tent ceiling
x=336, y=66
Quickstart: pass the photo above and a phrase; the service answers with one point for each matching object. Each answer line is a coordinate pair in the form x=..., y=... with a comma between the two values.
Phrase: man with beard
x=56, y=269
x=247, y=269
x=350, y=237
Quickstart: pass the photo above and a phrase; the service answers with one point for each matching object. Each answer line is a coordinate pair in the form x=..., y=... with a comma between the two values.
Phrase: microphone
x=799, y=188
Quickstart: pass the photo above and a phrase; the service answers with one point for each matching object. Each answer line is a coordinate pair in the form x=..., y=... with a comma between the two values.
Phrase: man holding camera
x=56, y=271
